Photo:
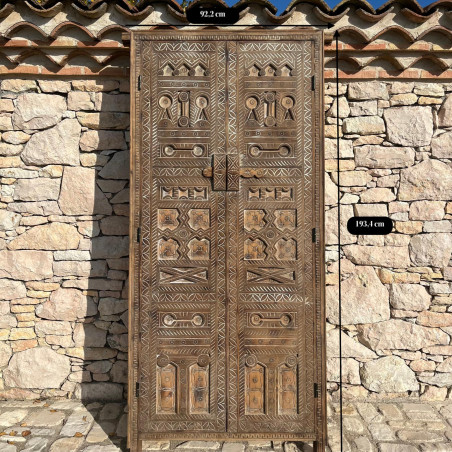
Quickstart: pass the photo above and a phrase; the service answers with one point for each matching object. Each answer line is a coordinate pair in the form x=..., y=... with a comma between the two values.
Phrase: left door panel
x=180, y=119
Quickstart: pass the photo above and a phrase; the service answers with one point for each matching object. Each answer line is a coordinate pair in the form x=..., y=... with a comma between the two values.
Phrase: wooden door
x=226, y=294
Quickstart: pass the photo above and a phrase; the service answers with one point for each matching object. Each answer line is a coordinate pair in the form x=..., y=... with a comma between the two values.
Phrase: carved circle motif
x=197, y=320
x=165, y=102
x=291, y=361
x=203, y=360
x=168, y=150
x=169, y=320
x=183, y=96
x=270, y=97
x=201, y=102
x=250, y=360
x=162, y=360
x=284, y=151
x=255, y=151
x=183, y=121
x=285, y=319
x=256, y=319
x=270, y=121
x=197, y=151
x=287, y=102
x=251, y=103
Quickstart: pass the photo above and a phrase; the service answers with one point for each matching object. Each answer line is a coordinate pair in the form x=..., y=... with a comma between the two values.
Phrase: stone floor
x=68, y=425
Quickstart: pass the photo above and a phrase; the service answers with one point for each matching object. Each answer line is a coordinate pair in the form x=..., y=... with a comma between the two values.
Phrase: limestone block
x=87, y=335
x=331, y=236
x=57, y=145
x=442, y=146
x=38, y=111
x=364, y=125
x=119, y=372
x=6, y=123
x=117, y=167
x=114, y=225
x=365, y=108
x=79, y=100
x=54, y=86
x=427, y=210
x=445, y=113
x=51, y=327
x=384, y=156
x=5, y=354
x=99, y=140
x=365, y=299
x=112, y=102
x=344, y=109
x=409, y=297
x=352, y=178
x=370, y=210
x=434, y=319
x=101, y=391
x=52, y=236
x=110, y=306
x=26, y=265
x=431, y=249
x=409, y=126
x=388, y=374
x=428, y=180
x=8, y=220
x=80, y=268
x=10, y=289
x=350, y=370
x=395, y=334
x=17, y=86
x=41, y=189
x=345, y=148
x=80, y=194
x=330, y=191
x=107, y=120
x=10, y=150
x=39, y=367
x=367, y=90
x=109, y=247
x=383, y=256
x=36, y=208
x=15, y=137
x=403, y=99
x=95, y=85
x=351, y=348
x=374, y=195
x=67, y=304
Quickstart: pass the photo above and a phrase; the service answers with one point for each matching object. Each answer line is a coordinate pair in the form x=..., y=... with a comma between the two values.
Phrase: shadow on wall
x=67, y=263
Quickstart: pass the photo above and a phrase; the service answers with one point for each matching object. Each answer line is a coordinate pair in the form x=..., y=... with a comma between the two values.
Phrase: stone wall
x=396, y=151
x=64, y=238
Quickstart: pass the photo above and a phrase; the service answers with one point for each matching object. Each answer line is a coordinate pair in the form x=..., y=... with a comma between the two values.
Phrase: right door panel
x=275, y=254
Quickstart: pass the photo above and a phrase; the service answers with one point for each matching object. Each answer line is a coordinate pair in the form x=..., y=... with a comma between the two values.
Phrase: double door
x=226, y=302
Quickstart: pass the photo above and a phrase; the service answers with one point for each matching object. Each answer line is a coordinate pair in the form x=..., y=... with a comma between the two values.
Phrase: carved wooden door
x=226, y=295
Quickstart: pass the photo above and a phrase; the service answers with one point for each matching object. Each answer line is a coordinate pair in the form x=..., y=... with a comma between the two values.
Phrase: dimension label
x=369, y=225
x=214, y=14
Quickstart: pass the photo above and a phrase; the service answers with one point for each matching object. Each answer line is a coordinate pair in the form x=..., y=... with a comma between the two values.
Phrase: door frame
x=134, y=438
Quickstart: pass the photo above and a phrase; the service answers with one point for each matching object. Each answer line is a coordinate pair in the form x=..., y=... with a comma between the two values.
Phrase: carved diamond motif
x=254, y=219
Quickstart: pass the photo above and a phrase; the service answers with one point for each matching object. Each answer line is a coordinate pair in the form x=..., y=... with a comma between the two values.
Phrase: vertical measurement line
x=336, y=35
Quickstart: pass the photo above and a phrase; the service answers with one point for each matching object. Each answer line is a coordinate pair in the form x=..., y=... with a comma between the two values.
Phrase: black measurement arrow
x=328, y=25
x=336, y=37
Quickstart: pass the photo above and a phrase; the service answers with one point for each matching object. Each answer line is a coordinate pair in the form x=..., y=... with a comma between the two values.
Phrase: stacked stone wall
x=64, y=238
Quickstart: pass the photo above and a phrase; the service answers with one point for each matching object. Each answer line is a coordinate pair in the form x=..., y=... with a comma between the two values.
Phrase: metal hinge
x=137, y=389
x=138, y=235
x=139, y=83
x=316, y=390
x=314, y=235
x=313, y=83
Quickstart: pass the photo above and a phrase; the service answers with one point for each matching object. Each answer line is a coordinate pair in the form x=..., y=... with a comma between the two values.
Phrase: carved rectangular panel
x=225, y=299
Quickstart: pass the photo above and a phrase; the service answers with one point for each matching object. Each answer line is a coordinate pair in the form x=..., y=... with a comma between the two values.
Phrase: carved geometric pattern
x=167, y=219
x=254, y=220
x=198, y=249
x=189, y=275
x=199, y=219
x=286, y=219
x=254, y=249
x=270, y=194
x=168, y=249
x=255, y=390
x=286, y=249
x=270, y=275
